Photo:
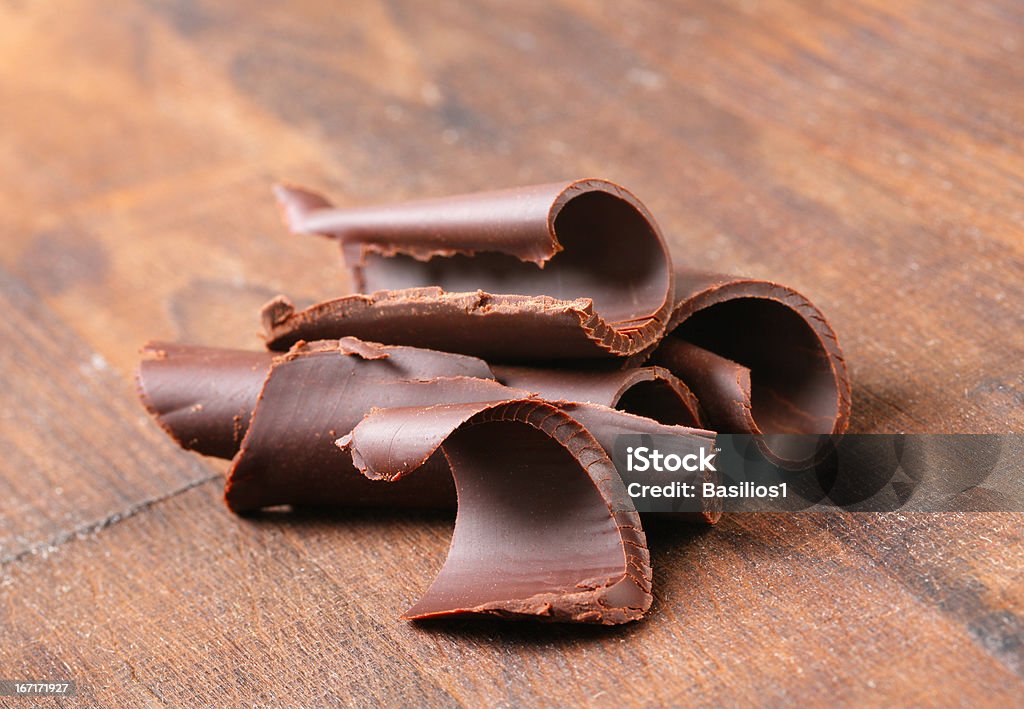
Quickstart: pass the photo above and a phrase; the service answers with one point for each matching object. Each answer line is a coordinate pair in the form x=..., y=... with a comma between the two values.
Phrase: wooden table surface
x=867, y=153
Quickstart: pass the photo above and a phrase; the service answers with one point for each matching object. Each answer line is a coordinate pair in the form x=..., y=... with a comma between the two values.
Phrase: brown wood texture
x=867, y=153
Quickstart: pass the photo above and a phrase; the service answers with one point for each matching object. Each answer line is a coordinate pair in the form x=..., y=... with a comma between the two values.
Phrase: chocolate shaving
x=541, y=506
x=526, y=274
x=320, y=391
x=760, y=357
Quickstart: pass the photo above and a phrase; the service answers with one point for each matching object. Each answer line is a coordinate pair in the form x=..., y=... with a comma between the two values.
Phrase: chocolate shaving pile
x=524, y=331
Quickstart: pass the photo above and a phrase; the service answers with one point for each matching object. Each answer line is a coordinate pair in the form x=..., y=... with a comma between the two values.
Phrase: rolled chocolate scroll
x=289, y=410
x=545, y=527
x=760, y=357
x=203, y=397
x=320, y=391
x=568, y=270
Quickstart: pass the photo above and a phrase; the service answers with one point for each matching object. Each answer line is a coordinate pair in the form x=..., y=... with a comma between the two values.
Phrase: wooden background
x=867, y=153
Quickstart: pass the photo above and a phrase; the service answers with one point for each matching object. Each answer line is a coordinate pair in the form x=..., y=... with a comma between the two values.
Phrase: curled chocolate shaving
x=319, y=391
x=760, y=357
x=290, y=408
x=525, y=274
x=545, y=528
x=653, y=392
x=202, y=396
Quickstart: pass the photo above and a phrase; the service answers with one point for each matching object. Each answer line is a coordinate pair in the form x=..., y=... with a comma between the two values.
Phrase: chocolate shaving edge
x=574, y=325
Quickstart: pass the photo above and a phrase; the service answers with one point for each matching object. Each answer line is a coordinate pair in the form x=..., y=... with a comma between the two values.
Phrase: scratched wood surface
x=867, y=153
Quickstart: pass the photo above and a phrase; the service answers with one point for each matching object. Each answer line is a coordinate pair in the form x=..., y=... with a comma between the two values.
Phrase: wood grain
x=78, y=453
x=286, y=608
x=866, y=153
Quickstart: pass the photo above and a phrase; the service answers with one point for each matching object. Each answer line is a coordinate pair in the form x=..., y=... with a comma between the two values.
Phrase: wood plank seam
x=93, y=528
x=79, y=452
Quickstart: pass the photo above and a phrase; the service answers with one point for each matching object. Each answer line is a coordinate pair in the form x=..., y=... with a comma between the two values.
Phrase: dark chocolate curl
x=545, y=528
x=653, y=392
x=760, y=357
x=202, y=397
x=576, y=270
x=320, y=391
